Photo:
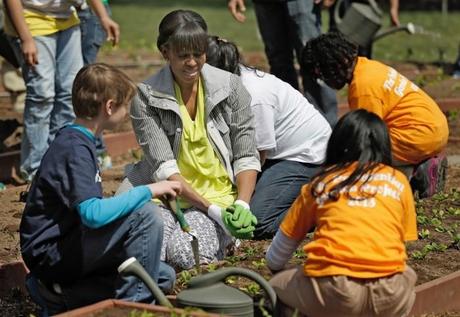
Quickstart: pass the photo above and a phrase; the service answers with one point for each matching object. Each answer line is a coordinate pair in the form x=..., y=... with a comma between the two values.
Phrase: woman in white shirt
x=291, y=137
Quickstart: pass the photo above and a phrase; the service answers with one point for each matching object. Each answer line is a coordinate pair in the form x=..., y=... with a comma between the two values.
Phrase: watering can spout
x=410, y=28
x=132, y=267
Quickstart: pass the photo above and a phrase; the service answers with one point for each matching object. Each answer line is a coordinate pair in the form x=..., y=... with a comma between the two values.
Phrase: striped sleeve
x=242, y=133
x=152, y=137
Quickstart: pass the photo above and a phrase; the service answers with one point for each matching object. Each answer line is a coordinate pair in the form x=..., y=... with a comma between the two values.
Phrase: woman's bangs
x=190, y=41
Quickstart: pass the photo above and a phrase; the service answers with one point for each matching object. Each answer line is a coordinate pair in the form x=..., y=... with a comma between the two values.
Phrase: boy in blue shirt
x=73, y=239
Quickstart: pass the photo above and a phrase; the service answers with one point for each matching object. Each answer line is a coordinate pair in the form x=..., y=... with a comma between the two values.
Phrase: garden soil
x=435, y=254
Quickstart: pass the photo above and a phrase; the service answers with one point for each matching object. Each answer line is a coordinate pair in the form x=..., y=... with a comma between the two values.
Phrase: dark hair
x=360, y=137
x=330, y=57
x=223, y=54
x=183, y=30
x=97, y=83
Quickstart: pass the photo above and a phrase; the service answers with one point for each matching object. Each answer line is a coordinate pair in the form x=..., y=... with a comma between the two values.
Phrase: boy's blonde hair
x=95, y=84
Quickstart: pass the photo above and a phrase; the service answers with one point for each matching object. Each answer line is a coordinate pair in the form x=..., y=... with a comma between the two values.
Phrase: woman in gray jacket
x=194, y=124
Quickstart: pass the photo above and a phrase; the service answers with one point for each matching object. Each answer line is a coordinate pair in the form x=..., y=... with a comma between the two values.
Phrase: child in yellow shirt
x=363, y=211
x=418, y=128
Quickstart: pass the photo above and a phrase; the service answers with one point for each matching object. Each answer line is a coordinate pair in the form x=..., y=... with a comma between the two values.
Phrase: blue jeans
x=139, y=235
x=48, y=105
x=285, y=28
x=277, y=187
x=93, y=36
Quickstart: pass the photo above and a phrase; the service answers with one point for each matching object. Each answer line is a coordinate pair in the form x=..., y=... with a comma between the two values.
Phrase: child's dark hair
x=183, y=31
x=95, y=84
x=329, y=57
x=360, y=137
x=223, y=54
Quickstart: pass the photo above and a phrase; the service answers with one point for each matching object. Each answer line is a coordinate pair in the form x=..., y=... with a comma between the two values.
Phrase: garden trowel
x=186, y=228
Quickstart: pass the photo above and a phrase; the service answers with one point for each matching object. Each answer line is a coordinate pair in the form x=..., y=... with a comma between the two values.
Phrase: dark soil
x=435, y=254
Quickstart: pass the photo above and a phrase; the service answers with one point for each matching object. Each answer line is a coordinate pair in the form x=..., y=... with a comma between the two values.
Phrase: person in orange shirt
x=363, y=211
x=418, y=128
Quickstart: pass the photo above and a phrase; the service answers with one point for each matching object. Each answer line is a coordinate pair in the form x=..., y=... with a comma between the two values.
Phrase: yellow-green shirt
x=41, y=24
x=197, y=161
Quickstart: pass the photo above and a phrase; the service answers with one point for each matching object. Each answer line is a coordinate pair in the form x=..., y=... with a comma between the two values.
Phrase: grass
x=139, y=21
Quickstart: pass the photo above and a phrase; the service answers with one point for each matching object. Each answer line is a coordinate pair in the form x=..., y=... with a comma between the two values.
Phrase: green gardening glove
x=240, y=219
x=237, y=222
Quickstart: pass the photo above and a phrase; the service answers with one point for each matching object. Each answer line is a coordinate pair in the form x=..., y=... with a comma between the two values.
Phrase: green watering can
x=206, y=291
x=361, y=23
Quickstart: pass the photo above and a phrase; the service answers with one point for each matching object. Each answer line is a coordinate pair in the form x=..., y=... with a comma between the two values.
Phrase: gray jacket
x=157, y=123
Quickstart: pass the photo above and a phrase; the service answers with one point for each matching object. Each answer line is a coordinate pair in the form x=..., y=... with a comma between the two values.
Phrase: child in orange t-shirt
x=363, y=211
x=418, y=128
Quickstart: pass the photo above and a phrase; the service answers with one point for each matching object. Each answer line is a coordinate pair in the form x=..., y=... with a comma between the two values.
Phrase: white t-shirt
x=287, y=125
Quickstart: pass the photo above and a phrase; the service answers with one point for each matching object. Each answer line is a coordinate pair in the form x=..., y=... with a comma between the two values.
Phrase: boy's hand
x=112, y=29
x=29, y=51
x=165, y=188
x=237, y=9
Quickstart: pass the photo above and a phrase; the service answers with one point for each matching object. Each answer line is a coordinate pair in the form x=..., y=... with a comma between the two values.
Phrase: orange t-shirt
x=418, y=128
x=357, y=238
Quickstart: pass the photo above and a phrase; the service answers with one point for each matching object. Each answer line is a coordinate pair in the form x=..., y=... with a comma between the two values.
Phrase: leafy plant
x=185, y=277
x=260, y=264
x=456, y=239
x=424, y=233
x=299, y=253
x=211, y=267
x=418, y=255
x=433, y=246
x=422, y=220
x=252, y=289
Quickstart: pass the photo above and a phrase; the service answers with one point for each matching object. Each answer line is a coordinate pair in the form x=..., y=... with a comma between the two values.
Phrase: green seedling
x=211, y=267
x=440, y=196
x=185, y=277
x=260, y=264
x=252, y=289
x=250, y=251
x=436, y=222
x=433, y=246
x=453, y=211
x=299, y=254
x=262, y=308
x=439, y=213
x=235, y=258
x=231, y=280
x=455, y=240
x=424, y=233
x=422, y=220
x=418, y=255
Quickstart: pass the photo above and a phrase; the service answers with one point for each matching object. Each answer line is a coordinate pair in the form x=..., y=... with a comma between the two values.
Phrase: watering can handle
x=219, y=275
x=375, y=7
x=338, y=18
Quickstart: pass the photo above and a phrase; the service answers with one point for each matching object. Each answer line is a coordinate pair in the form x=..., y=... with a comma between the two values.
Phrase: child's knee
x=149, y=215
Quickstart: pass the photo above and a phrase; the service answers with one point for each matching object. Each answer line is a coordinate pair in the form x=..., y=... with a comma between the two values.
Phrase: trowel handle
x=219, y=275
x=179, y=214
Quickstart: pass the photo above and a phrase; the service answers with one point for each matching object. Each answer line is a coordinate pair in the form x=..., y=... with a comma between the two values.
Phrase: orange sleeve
x=410, y=216
x=367, y=102
x=299, y=218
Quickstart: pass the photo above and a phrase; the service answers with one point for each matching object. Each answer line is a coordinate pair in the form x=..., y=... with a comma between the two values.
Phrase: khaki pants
x=340, y=295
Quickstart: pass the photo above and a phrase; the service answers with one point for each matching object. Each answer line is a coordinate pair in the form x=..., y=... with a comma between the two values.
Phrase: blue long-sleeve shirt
x=97, y=212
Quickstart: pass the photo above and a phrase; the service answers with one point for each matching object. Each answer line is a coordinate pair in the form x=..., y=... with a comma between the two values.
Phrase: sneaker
x=456, y=74
x=49, y=301
x=430, y=176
